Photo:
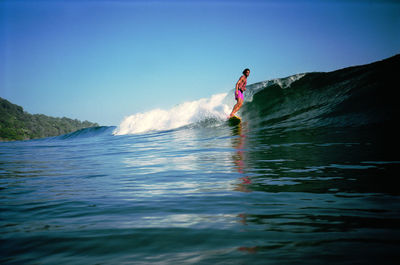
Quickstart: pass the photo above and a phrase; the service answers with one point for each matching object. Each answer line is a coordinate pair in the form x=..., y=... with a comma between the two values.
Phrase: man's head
x=246, y=72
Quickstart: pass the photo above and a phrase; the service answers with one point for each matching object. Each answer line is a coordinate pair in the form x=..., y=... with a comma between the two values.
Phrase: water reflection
x=238, y=158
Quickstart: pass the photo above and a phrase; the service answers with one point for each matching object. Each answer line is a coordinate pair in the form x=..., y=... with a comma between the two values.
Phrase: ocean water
x=308, y=177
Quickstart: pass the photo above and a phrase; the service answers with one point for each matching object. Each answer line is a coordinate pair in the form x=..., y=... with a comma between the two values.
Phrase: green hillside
x=16, y=124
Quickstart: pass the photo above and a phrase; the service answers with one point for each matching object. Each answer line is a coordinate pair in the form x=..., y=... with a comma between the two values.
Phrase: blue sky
x=104, y=60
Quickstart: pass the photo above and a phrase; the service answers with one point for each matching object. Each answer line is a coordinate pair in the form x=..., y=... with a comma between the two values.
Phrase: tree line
x=16, y=124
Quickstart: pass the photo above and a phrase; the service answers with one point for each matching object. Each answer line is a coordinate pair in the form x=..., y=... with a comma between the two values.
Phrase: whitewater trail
x=216, y=107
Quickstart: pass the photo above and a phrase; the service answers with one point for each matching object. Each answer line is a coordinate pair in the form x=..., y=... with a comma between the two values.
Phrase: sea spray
x=216, y=107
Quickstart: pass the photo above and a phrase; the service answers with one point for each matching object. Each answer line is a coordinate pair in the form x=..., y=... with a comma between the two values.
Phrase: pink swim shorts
x=239, y=95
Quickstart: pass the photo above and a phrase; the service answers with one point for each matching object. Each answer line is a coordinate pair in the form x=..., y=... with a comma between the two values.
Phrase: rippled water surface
x=215, y=195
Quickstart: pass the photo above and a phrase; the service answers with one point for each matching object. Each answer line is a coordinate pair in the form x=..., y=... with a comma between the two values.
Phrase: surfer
x=239, y=90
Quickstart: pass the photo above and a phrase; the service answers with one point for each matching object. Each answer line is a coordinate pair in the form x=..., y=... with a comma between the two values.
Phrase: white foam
x=216, y=107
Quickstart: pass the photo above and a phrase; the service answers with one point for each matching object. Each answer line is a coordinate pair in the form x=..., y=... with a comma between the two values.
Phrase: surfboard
x=235, y=120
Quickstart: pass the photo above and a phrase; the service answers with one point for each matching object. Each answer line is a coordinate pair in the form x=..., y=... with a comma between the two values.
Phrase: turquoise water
x=309, y=177
x=220, y=195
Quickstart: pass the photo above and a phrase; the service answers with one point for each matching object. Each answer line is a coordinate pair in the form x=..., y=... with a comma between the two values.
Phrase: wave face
x=350, y=97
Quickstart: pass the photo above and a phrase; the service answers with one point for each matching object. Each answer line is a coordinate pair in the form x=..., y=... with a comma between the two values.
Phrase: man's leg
x=236, y=107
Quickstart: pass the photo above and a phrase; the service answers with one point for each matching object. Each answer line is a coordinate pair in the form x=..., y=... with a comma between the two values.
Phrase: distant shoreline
x=16, y=124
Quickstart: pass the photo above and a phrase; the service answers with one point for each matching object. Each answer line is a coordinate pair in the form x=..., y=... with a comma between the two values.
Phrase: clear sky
x=104, y=60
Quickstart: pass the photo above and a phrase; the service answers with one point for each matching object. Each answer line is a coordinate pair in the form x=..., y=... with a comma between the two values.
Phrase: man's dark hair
x=247, y=69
